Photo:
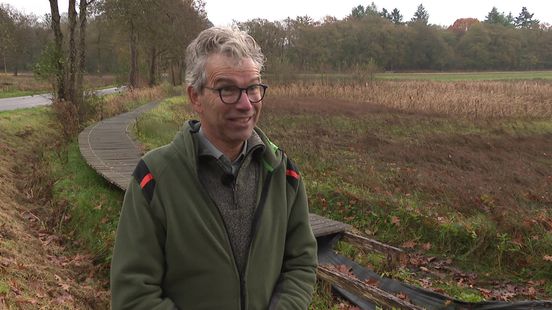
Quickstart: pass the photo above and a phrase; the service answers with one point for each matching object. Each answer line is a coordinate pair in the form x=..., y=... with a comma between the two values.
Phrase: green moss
x=4, y=288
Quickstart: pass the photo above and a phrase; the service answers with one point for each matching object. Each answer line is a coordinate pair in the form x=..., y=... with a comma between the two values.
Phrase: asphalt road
x=14, y=103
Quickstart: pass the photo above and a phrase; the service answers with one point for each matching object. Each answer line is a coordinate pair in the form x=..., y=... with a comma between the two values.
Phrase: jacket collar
x=187, y=145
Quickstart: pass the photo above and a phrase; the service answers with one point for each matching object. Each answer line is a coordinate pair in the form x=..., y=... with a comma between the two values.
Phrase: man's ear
x=193, y=96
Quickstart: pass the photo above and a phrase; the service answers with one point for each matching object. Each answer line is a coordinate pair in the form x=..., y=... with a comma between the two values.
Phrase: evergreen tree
x=498, y=18
x=371, y=10
x=357, y=12
x=421, y=15
x=385, y=14
x=396, y=17
x=525, y=19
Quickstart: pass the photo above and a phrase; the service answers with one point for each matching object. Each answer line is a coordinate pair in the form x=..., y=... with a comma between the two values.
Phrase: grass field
x=475, y=188
x=455, y=173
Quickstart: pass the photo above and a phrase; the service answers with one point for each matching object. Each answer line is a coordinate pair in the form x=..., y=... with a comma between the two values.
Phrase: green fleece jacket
x=172, y=249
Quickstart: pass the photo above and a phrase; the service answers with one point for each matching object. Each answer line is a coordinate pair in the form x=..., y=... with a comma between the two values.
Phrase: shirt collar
x=206, y=148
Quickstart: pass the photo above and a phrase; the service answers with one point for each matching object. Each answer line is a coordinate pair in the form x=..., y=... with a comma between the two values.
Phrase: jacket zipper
x=254, y=224
x=206, y=194
x=253, y=232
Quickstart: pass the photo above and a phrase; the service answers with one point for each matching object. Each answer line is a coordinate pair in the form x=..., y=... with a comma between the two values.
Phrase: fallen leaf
x=395, y=220
x=548, y=258
x=403, y=296
x=409, y=244
x=371, y=282
x=531, y=292
x=426, y=246
x=343, y=268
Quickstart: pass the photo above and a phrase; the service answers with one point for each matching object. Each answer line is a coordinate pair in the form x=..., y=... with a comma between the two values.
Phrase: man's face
x=227, y=126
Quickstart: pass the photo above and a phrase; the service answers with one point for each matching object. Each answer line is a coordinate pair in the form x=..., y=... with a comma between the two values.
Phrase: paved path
x=108, y=147
x=7, y=104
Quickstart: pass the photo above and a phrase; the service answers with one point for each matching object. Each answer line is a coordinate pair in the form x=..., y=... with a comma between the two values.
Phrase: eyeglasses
x=232, y=94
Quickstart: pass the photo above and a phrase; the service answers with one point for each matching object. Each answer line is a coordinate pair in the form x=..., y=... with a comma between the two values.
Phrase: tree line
x=368, y=37
x=141, y=41
x=144, y=41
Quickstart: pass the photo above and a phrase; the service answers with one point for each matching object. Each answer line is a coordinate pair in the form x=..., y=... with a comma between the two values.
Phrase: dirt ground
x=465, y=166
x=491, y=169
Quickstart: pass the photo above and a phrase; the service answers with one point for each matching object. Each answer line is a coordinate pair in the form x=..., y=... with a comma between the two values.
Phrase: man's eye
x=228, y=90
x=254, y=89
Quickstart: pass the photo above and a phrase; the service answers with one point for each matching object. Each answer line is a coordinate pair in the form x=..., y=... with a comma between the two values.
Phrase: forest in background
x=144, y=41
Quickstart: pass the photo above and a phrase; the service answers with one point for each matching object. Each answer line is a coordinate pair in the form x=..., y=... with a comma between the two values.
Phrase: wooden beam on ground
x=359, y=288
x=394, y=255
x=322, y=226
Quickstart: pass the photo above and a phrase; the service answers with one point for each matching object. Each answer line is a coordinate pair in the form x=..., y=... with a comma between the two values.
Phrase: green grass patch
x=20, y=93
x=462, y=293
x=159, y=126
x=4, y=288
x=89, y=205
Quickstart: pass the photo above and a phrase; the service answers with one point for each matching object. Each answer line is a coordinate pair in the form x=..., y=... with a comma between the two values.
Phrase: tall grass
x=474, y=99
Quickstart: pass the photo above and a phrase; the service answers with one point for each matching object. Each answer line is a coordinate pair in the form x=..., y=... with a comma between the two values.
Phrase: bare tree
x=81, y=67
x=72, y=52
x=56, y=28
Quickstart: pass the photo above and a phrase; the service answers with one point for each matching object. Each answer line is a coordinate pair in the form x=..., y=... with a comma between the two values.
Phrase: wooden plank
x=394, y=255
x=359, y=288
x=322, y=226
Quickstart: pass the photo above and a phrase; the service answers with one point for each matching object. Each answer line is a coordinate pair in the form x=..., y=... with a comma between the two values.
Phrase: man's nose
x=244, y=103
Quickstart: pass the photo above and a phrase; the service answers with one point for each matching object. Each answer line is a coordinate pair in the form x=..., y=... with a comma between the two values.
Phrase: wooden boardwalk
x=109, y=149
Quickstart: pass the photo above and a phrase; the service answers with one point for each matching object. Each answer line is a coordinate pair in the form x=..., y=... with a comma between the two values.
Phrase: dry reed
x=114, y=105
x=475, y=99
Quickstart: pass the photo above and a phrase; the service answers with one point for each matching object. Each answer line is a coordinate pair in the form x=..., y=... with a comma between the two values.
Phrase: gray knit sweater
x=234, y=194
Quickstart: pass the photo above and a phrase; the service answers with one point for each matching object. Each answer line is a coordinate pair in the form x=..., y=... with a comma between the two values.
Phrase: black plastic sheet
x=417, y=296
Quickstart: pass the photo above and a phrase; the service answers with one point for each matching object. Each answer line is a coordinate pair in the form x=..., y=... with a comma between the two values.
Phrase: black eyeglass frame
x=219, y=90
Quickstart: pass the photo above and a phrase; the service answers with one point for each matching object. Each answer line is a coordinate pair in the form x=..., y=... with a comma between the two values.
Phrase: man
x=218, y=218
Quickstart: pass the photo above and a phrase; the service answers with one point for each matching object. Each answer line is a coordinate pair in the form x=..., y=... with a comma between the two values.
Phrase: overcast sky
x=222, y=12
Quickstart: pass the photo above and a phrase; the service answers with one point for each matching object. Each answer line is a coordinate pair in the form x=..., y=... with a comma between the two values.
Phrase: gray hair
x=230, y=42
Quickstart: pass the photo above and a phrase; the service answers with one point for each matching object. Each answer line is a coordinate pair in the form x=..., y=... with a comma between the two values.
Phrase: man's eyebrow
x=224, y=81
x=228, y=81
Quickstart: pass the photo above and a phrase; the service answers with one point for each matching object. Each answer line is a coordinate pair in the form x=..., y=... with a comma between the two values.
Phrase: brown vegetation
x=481, y=99
x=471, y=181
